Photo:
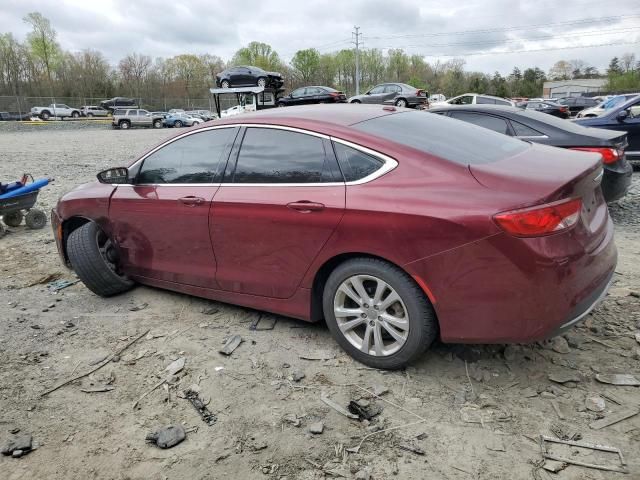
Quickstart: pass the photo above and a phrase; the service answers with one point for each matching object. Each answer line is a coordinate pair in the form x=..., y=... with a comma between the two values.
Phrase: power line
x=529, y=39
x=535, y=50
x=506, y=29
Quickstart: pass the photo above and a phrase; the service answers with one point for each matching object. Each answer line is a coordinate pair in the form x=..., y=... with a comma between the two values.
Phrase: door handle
x=191, y=201
x=305, y=206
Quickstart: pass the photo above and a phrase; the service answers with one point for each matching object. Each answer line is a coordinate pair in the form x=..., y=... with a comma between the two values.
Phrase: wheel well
x=69, y=226
x=322, y=275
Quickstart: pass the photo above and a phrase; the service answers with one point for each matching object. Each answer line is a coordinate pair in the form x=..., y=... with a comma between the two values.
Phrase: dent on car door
x=282, y=198
x=161, y=220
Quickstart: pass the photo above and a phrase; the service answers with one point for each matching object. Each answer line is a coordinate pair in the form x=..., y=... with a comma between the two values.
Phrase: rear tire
x=35, y=219
x=45, y=115
x=75, y=114
x=401, y=102
x=124, y=124
x=225, y=84
x=262, y=82
x=94, y=259
x=157, y=124
x=13, y=219
x=89, y=115
x=412, y=310
x=178, y=124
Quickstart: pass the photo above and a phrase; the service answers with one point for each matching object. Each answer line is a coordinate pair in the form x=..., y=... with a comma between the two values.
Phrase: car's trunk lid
x=544, y=175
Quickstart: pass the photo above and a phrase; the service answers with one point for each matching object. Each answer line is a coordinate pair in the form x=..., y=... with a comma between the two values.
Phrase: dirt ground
x=461, y=412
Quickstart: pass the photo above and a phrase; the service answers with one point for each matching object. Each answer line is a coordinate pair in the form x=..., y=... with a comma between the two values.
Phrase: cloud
x=436, y=29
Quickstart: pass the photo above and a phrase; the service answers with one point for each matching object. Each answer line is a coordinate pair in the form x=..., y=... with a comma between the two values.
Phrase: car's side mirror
x=114, y=175
x=368, y=93
x=622, y=115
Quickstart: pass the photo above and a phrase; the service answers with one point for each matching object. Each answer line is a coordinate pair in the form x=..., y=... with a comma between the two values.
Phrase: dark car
x=399, y=94
x=245, y=76
x=550, y=108
x=114, y=102
x=311, y=95
x=539, y=128
x=576, y=104
x=395, y=226
x=11, y=116
x=624, y=117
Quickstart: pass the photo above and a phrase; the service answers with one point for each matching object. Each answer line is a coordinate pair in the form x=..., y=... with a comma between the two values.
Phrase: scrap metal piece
x=193, y=397
x=602, y=448
x=231, y=344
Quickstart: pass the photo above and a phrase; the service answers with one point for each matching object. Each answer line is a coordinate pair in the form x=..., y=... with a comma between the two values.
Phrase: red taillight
x=540, y=220
x=420, y=93
x=609, y=155
x=563, y=109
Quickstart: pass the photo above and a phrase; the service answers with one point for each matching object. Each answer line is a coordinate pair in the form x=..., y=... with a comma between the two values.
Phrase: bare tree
x=134, y=69
x=628, y=61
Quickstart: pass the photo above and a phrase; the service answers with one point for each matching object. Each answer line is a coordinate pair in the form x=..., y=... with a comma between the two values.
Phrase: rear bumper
x=616, y=180
x=503, y=290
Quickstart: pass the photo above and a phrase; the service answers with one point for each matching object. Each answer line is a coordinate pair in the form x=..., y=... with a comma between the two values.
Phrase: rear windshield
x=444, y=137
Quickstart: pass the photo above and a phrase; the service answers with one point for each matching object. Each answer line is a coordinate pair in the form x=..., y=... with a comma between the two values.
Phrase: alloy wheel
x=371, y=315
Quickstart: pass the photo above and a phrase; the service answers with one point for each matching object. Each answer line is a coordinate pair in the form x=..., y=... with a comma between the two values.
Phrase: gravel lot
x=472, y=412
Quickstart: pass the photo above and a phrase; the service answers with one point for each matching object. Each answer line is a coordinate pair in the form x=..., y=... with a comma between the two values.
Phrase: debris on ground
x=292, y=419
x=364, y=409
x=46, y=279
x=231, y=344
x=318, y=355
x=620, y=379
x=614, y=418
x=58, y=285
x=379, y=390
x=210, y=310
x=410, y=447
x=254, y=324
x=602, y=448
x=167, y=437
x=297, y=376
x=137, y=308
x=560, y=345
x=563, y=377
x=595, y=403
x=175, y=366
x=337, y=407
x=193, y=395
x=316, y=428
x=553, y=466
x=18, y=445
x=106, y=388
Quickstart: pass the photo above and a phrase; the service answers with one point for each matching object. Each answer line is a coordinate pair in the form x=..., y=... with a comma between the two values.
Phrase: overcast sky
x=434, y=28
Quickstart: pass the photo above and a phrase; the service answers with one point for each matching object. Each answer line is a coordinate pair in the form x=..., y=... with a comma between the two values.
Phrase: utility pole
x=357, y=36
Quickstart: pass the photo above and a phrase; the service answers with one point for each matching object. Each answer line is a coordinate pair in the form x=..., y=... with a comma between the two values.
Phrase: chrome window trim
x=531, y=136
x=389, y=163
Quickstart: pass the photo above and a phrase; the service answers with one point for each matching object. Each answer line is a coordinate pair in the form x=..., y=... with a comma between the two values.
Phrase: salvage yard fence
x=21, y=104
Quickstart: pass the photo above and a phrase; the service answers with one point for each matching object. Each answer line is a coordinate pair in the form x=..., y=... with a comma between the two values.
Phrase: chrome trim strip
x=532, y=136
x=389, y=163
x=588, y=310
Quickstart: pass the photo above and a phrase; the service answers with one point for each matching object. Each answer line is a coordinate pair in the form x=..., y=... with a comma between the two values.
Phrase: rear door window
x=443, y=137
x=502, y=102
x=196, y=158
x=522, y=130
x=491, y=122
x=355, y=165
x=269, y=155
x=485, y=100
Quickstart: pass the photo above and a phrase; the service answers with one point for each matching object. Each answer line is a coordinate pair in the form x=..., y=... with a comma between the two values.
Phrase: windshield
x=453, y=140
x=613, y=102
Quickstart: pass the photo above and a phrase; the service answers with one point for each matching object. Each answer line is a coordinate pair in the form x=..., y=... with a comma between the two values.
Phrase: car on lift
x=395, y=226
x=246, y=76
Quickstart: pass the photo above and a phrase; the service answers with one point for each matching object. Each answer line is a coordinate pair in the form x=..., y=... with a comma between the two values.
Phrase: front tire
x=35, y=219
x=157, y=124
x=356, y=101
x=378, y=314
x=75, y=114
x=225, y=84
x=13, y=219
x=280, y=105
x=262, y=82
x=45, y=115
x=178, y=124
x=90, y=115
x=94, y=258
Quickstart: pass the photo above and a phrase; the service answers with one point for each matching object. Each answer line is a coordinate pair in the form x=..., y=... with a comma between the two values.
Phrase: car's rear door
x=631, y=125
x=281, y=199
x=161, y=220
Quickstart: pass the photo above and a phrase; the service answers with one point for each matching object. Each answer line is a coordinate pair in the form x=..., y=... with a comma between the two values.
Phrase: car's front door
x=281, y=199
x=144, y=118
x=161, y=221
x=375, y=95
x=297, y=96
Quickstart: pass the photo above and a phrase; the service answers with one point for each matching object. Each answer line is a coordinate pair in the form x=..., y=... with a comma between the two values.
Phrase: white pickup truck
x=55, y=110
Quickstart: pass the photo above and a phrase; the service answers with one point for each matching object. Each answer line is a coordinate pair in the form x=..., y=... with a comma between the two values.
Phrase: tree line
x=39, y=67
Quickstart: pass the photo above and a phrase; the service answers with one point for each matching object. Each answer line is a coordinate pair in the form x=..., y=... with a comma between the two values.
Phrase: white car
x=473, y=98
x=604, y=106
x=437, y=97
x=237, y=110
x=55, y=110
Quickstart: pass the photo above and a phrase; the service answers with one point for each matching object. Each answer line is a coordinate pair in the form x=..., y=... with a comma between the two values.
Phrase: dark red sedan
x=393, y=225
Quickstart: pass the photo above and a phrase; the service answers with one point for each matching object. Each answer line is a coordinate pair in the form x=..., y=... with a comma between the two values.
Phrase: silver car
x=93, y=111
x=125, y=118
x=398, y=94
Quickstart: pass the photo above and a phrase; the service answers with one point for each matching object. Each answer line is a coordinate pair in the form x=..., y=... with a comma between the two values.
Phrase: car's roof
x=341, y=115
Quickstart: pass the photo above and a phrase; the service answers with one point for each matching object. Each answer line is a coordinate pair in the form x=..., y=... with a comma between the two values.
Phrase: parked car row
x=126, y=118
